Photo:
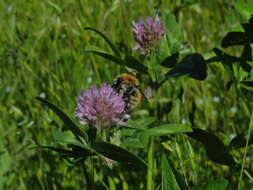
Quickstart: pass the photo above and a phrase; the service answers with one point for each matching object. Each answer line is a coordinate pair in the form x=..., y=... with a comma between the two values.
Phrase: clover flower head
x=147, y=34
x=101, y=107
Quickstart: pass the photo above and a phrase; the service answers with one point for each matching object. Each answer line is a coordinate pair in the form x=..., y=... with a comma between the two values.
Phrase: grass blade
x=66, y=120
x=112, y=46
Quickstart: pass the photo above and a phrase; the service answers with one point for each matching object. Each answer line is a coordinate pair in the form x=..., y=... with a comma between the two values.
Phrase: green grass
x=42, y=53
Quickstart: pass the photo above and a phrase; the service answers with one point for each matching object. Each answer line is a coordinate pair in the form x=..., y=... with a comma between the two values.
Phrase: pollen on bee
x=138, y=97
x=130, y=78
x=127, y=86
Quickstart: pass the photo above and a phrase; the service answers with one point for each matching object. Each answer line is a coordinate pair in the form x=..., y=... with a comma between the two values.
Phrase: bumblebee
x=127, y=85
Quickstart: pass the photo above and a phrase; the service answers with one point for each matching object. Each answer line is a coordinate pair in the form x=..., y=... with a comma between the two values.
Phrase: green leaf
x=140, y=123
x=134, y=63
x=67, y=121
x=66, y=138
x=173, y=32
x=137, y=139
x=247, y=85
x=239, y=38
x=234, y=38
x=169, y=181
x=216, y=185
x=125, y=131
x=113, y=47
x=162, y=49
x=166, y=129
x=215, y=148
x=246, y=54
x=61, y=151
x=170, y=61
x=248, y=27
x=239, y=71
x=246, y=67
x=112, y=185
x=239, y=141
x=225, y=59
x=251, y=19
x=244, y=8
x=133, y=142
x=193, y=65
x=110, y=57
x=117, y=153
x=76, y=152
x=129, y=61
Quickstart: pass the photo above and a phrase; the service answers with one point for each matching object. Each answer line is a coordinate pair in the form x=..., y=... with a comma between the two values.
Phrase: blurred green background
x=42, y=53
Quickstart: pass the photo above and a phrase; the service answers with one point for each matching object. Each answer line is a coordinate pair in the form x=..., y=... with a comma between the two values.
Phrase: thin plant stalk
x=150, y=164
x=245, y=152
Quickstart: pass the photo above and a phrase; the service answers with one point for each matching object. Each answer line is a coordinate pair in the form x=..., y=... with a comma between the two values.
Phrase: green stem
x=161, y=83
x=245, y=152
x=150, y=164
x=86, y=175
x=213, y=59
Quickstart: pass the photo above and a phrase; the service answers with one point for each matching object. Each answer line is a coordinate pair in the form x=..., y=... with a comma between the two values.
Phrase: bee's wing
x=147, y=93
